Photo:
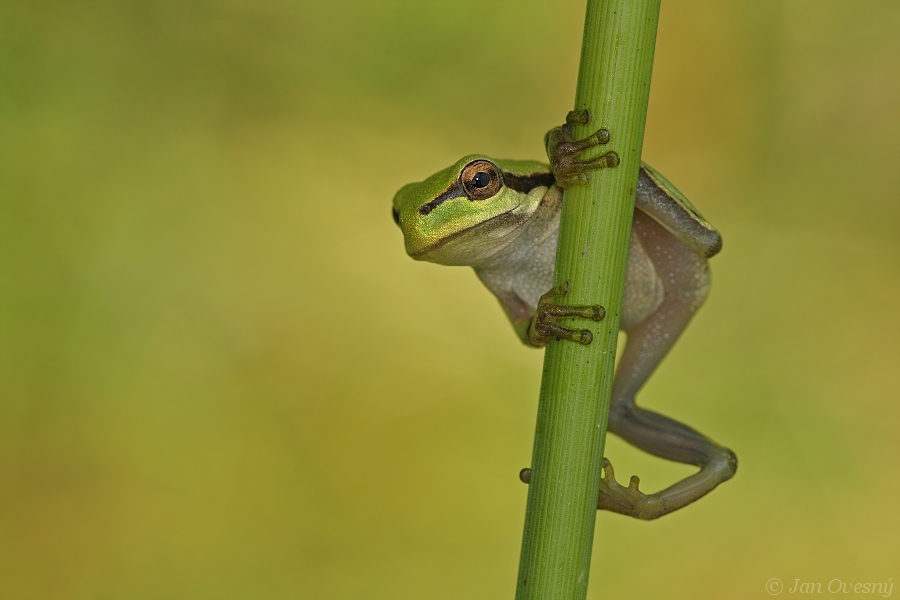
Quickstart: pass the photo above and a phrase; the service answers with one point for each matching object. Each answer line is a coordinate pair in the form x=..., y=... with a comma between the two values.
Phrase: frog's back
x=661, y=201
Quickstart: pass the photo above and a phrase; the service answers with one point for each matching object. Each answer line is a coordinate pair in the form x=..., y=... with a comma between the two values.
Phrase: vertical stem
x=614, y=85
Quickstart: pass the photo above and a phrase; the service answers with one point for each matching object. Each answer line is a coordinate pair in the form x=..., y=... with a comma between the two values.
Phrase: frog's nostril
x=396, y=214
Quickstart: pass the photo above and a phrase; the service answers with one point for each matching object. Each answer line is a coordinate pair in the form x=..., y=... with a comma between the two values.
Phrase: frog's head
x=459, y=213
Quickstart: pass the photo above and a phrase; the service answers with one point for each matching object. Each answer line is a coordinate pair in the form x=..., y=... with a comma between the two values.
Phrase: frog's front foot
x=544, y=326
x=562, y=149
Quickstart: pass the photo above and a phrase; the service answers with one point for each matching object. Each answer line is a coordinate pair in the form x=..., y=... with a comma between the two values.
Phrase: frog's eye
x=481, y=179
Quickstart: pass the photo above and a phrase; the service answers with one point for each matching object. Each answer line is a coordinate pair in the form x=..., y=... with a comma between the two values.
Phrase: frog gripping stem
x=544, y=326
x=563, y=148
x=565, y=476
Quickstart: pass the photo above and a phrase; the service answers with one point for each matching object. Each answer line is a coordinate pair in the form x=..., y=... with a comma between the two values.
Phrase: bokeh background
x=221, y=377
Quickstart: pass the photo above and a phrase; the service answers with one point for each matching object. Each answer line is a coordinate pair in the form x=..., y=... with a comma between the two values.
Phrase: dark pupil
x=481, y=179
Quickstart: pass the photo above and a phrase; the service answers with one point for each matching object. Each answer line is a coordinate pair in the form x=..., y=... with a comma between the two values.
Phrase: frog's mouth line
x=504, y=218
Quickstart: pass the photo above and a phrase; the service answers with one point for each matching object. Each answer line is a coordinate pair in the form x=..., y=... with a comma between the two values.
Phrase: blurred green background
x=221, y=377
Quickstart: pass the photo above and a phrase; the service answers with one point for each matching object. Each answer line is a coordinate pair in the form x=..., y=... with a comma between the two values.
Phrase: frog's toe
x=629, y=500
x=577, y=172
x=562, y=146
x=525, y=475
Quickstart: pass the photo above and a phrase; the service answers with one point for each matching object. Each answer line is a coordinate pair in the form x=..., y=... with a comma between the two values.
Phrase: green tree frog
x=501, y=217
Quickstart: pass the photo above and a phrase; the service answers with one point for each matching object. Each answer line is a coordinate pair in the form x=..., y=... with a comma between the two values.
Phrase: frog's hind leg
x=662, y=201
x=685, y=278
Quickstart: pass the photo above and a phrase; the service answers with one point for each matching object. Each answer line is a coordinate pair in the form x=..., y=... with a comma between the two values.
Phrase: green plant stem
x=614, y=85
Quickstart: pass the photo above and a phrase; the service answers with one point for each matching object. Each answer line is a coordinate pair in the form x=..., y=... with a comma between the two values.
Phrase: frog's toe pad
x=578, y=117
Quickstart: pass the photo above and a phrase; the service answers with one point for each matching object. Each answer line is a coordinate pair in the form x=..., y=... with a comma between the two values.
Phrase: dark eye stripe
x=454, y=191
x=526, y=183
x=519, y=183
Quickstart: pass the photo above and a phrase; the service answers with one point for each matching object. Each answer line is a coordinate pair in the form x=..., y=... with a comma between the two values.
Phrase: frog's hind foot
x=562, y=148
x=634, y=503
x=629, y=500
x=544, y=326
